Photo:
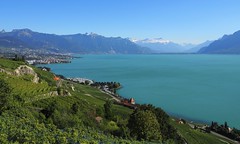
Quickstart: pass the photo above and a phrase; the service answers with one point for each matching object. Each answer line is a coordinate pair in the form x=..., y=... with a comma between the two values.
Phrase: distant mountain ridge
x=97, y=44
x=228, y=44
x=199, y=46
x=159, y=45
x=76, y=43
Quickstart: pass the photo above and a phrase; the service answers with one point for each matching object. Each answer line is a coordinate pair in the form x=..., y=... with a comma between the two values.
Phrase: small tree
x=225, y=125
x=5, y=97
x=108, y=109
x=75, y=108
x=99, y=111
x=144, y=125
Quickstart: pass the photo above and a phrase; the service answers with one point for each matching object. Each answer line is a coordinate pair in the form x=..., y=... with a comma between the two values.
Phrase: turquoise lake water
x=201, y=88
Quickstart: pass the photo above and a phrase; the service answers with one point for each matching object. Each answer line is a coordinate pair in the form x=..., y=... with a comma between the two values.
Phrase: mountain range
x=97, y=44
x=228, y=44
x=76, y=43
x=159, y=45
x=196, y=48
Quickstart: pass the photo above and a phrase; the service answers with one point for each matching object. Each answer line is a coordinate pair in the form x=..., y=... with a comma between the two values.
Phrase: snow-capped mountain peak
x=153, y=40
x=159, y=45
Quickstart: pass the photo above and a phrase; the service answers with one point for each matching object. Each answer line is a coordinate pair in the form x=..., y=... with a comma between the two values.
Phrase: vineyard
x=23, y=87
x=9, y=64
x=46, y=117
x=62, y=111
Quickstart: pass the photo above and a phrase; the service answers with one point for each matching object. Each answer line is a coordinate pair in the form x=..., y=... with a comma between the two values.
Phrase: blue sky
x=182, y=21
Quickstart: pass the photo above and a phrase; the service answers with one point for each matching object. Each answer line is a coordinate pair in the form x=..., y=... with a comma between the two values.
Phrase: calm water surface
x=197, y=87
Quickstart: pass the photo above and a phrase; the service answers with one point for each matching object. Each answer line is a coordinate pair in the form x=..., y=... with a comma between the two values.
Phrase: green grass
x=25, y=88
x=96, y=98
x=9, y=64
x=46, y=76
x=90, y=96
x=193, y=136
x=90, y=101
x=30, y=91
x=23, y=85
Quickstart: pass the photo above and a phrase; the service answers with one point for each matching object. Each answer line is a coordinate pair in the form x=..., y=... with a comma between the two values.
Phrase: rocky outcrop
x=5, y=71
x=22, y=70
x=26, y=70
x=51, y=94
x=63, y=92
x=42, y=96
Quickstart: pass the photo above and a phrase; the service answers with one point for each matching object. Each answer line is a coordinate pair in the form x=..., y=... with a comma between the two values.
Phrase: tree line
x=225, y=130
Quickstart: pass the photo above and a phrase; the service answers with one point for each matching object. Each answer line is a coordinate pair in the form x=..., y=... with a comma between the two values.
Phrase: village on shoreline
x=109, y=88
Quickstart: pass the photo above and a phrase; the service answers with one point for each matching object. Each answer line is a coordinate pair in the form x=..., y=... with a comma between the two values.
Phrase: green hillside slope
x=33, y=116
x=35, y=108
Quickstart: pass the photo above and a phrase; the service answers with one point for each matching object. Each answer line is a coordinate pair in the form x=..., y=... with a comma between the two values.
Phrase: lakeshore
x=69, y=92
x=107, y=88
x=195, y=87
x=125, y=101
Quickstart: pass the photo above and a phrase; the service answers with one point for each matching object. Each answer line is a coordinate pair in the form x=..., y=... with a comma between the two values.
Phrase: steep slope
x=10, y=42
x=35, y=40
x=228, y=44
x=77, y=43
x=93, y=43
x=27, y=82
x=34, y=113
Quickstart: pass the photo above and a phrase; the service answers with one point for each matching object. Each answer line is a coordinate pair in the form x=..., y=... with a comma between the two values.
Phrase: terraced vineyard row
x=27, y=89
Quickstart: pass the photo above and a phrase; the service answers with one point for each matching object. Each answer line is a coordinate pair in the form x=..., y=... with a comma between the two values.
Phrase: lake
x=201, y=88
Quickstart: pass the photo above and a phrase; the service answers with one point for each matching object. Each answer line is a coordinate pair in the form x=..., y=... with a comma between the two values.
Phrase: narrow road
x=113, y=97
x=221, y=136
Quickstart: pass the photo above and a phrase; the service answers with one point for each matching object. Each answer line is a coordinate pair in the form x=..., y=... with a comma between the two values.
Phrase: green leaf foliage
x=144, y=125
x=4, y=95
x=167, y=131
x=108, y=109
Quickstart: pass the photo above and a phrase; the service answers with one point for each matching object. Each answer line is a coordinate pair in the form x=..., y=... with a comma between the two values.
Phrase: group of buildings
x=48, y=61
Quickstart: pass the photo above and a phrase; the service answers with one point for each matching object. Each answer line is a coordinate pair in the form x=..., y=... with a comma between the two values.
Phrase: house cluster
x=106, y=89
x=48, y=61
x=45, y=69
x=128, y=103
x=81, y=80
x=180, y=121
